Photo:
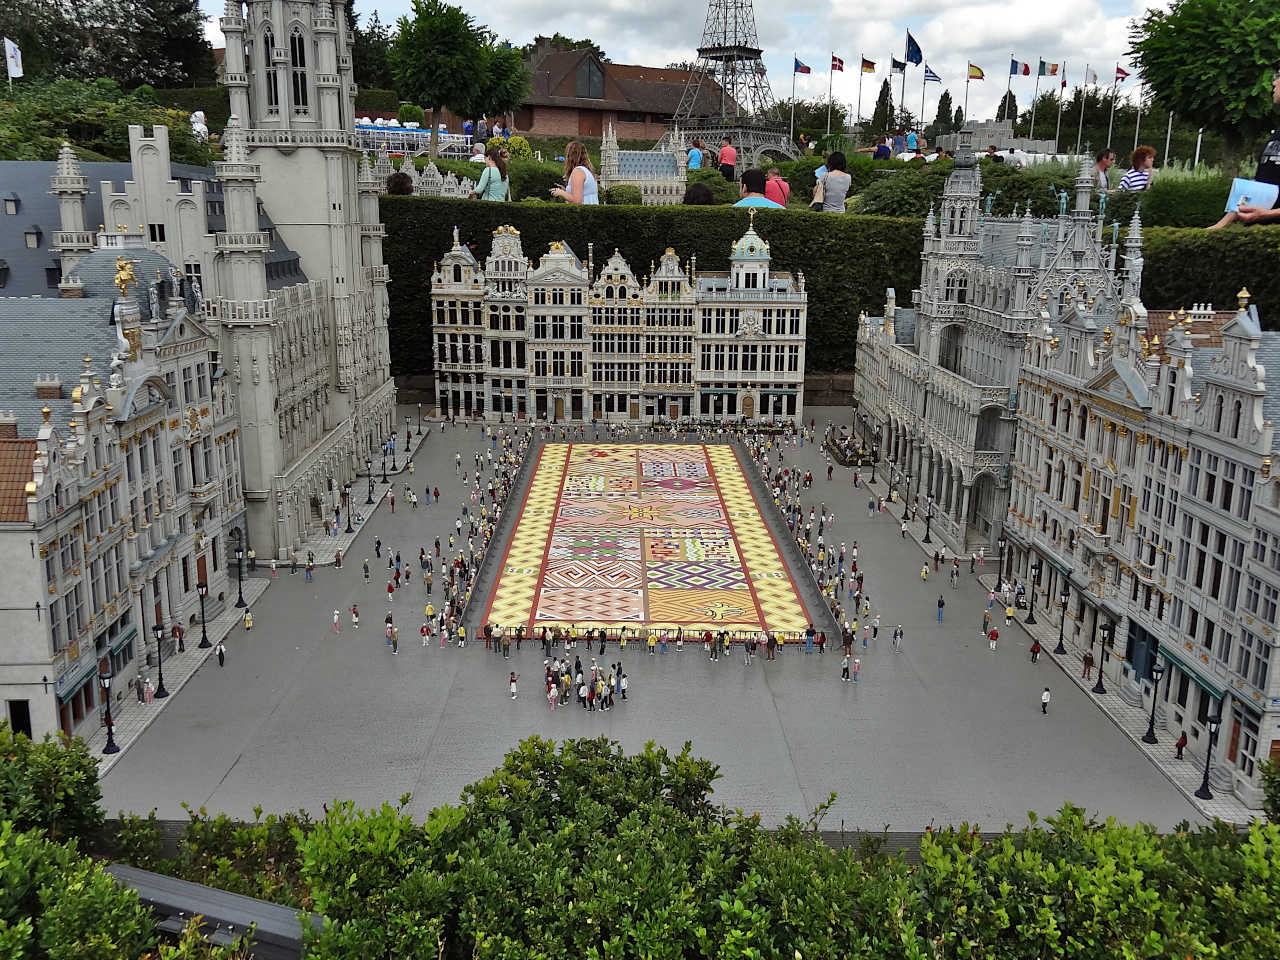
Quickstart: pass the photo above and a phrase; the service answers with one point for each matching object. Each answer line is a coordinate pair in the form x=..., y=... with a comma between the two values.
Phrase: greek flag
x=930, y=76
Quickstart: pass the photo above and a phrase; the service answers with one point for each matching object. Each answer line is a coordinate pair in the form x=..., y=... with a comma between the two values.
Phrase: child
x=844, y=668
x=336, y=616
x=512, y=681
x=355, y=616
x=857, y=666
x=248, y=620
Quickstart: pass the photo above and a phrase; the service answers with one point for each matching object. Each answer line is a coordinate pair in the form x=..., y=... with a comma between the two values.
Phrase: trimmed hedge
x=847, y=261
x=623, y=193
x=1182, y=267
x=376, y=101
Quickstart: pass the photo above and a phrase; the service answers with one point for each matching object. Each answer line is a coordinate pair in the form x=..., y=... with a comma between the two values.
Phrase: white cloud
x=952, y=34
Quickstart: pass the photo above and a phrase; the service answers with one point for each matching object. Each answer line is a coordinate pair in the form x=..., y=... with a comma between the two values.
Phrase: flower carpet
x=643, y=535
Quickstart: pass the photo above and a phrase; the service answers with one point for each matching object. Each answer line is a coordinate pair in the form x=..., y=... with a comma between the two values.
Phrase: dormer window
x=33, y=235
x=589, y=82
x=11, y=204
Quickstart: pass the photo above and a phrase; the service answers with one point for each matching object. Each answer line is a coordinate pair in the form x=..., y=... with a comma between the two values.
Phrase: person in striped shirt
x=1138, y=176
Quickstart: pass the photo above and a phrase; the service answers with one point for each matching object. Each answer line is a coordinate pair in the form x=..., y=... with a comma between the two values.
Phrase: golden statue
x=124, y=275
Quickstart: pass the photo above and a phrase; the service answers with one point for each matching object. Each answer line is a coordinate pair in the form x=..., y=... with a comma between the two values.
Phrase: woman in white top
x=580, y=180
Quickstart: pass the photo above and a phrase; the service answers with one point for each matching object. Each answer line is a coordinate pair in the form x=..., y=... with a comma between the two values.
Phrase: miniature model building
x=565, y=341
x=660, y=174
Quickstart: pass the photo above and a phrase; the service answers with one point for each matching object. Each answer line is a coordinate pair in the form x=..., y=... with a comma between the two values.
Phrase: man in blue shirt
x=912, y=140
x=751, y=187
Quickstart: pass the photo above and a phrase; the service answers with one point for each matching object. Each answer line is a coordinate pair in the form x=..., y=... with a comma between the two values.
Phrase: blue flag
x=896, y=65
x=913, y=54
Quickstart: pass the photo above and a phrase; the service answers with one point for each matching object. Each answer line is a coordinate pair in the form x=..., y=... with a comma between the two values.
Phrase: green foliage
x=529, y=179
x=882, y=119
x=624, y=193
x=49, y=785
x=723, y=190
x=411, y=113
x=94, y=117
x=1270, y=771
x=888, y=254
x=942, y=121
x=519, y=148
x=561, y=42
x=214, y=101
x=370, y=53
x=505, y=82
x=1008, y=108
x=907, y=192
x=376, y=101
x=1182, y=267
x=1211, y=63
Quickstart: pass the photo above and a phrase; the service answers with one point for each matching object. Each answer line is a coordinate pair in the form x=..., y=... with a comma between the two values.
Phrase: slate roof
x=16, y=457
x=904, y=326
x=1000, y=242
x=1268, y=355
x=29, y=179
x=647, y=165
x=1201, y=358
x=640, y=88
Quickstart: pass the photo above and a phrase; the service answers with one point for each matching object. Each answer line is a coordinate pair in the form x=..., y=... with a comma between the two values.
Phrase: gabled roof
x=16, y=458
x=1268, y=356
x=627, y=86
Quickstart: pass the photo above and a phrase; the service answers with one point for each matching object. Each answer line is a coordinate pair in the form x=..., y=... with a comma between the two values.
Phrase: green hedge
x=847, y=261
x=724, y=191
x=376, y=101
x=623, y=193
x=530, y=180
x=1187, y=266
x=214, y=101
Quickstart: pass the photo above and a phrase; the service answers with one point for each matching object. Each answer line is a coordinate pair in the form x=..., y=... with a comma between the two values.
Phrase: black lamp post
x=875, y=455
x=1031, y=600
x=112, y=746
x=157, y=631
x=393, y=451
x=1061, y=649
x=419, y=417
x=368, y=470
x=1000, y=542
x=346, y=499
x=1215, y=724
x=1157, y=671
x=1107, y=630
x=240, y=577
x=202, y=589
x=906, y=499
x=385, y=445
x=928, y=516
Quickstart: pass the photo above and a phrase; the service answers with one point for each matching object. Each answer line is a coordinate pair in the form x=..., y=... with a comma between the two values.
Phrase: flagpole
x=1035, y=96
x=831, y=77
x=923, y=83
x=1138, y=122
x=1115, y=86
x=1057, y=133
x=966, y=95
x=793, y=98
x=1008, y=85
x=1080, y=130
x=902, y=98
x=1168, y=135
x=859, y=91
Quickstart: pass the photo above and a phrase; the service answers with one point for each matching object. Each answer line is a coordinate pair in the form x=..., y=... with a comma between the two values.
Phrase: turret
x=73, y=242
x=236, y=58
x=1133, y=257
x=243, y=245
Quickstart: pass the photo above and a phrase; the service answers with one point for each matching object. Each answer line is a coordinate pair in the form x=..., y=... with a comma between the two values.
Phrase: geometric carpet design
x=643, y=536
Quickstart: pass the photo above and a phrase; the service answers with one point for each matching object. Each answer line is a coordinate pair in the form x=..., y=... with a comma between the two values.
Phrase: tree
x=882, y=115
x=958, y=120
x=1271, y=789
x=1211, y=62
x=505, y=81
x=1008, y=109
x=371, y=53
x=561, y=42
x=434, y=59
x=942, y=121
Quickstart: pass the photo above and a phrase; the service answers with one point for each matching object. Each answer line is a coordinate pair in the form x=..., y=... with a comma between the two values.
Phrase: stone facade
x=563, y=341
x=659, y=174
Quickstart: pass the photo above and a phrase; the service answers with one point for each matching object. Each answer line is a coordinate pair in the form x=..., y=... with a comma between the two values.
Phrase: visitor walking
x=1035, y=651
x=221, y=651
x=897, y=639
x=941, y=603
x=1044, y=701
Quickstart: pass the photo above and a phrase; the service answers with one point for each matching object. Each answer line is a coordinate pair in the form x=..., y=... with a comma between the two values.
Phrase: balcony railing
x=204, y=492
x=255, y=240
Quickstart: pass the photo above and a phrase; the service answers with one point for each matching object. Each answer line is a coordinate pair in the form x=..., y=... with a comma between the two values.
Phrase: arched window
x=1235, y=420
x=1217, y=413
x=298, y=61
x=457, y=273
x=957, y=287
x=273, y=80
x=1082, y=423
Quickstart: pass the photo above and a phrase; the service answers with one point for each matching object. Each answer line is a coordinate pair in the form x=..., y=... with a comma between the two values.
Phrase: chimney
x=71, y=288
x=48, y=388
x=8, y=426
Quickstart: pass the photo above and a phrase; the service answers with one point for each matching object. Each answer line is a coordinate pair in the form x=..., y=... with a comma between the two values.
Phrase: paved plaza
x=944, y=732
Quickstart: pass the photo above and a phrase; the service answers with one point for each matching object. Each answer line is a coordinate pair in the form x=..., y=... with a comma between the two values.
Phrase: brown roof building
x=576, y=94
x=16, y=457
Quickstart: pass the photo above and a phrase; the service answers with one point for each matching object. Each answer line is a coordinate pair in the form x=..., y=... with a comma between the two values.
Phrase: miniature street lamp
x=386, y=444
x=368, y=471
x=112, y=746
x=202, y=589
x=157, y=631
x=346, y=499
x=1031, y=600
x=1107, y=630
x=1061, y=649
x=240, y=576
x=1157, y=671
x=419, y=417
x=1000, y=542
x=1215, y=724
x=928, y=517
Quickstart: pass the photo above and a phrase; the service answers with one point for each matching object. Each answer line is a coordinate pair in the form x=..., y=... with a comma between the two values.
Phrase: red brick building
x=576, y=94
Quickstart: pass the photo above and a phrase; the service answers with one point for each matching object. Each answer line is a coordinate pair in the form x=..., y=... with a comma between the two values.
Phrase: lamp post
x=202, y=589
x=928, y=516
x=419, y=417
x=394, y=437
x=368, y=471
x=112, y=746
x=346, y=499
x=1107, y=630
x=385, y=445
x=1031, y=601
x=875, y=455
x=1000, y=542
x=906, y=497
x=1215, y=724
x=157, y=631
x=1061, y=649
x=240, y=577
x=1157, y=671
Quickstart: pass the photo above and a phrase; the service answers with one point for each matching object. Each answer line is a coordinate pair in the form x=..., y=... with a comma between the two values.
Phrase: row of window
x=750, y=357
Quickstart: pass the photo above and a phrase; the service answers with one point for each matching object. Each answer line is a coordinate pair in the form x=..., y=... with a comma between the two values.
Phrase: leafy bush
x=49, y=785
x=214, y=101
x=624, y=193
x=420, y=229
x=371, y=101
x=1186, y=266
x=519, y=148
x=411, y=113
x=529, y=179
x=1271, y=789
x=723, y=190
x=903, y=194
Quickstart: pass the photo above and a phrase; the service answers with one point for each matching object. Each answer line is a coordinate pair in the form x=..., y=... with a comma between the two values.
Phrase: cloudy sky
x=951, y=33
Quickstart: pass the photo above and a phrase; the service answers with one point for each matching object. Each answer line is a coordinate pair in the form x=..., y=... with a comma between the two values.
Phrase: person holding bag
x=829, y=193
x=493, y=184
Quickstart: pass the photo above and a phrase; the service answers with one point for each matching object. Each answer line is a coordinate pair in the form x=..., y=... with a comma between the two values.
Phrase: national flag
x=913, y=54
x=1018, y=68
x=12, y=58
x=897, y=66
x=801, y=67
x=837, y=63
x=1048, y=69
x=868, y=66
x=1091, y=77
x=975, y=73
x=930, y=76
x=1121, y=74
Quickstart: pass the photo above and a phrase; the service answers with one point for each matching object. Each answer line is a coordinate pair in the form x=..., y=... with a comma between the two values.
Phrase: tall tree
x=505, y=81
x=1008, y=109
x=882, y=115
x=942, y=120
x=371, y=54
x=958, y=120
x=434, y=59
x=562, y=42
x=1211, y=62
